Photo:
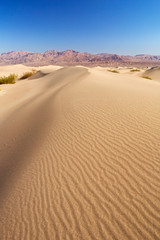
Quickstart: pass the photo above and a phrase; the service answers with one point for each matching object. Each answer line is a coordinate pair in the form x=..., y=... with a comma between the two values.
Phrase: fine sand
x=153, y=73
x=80, y=156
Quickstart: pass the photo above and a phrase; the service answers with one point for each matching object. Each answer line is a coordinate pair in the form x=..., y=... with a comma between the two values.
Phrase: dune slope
x=80, y=157
x=153, y=73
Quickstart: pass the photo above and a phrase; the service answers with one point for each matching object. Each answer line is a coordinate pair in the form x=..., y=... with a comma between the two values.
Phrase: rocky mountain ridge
x=72, y=57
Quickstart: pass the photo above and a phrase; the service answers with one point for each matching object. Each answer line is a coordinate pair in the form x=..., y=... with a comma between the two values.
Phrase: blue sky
x=125, y=27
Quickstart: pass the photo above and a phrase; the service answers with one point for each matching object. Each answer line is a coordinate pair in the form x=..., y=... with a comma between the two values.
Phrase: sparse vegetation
x=28, y=74
x=147, y=77
x=11, y=79
x=113, y=71
x=135, y=70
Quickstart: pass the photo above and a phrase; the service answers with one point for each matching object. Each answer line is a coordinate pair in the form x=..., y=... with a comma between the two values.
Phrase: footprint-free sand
x=80, y=156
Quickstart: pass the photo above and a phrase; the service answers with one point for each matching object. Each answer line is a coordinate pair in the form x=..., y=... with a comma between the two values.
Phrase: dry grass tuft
x=11, y=79
x=28, y=74
x=147, y=77
x=135, y=70
x=113, y=71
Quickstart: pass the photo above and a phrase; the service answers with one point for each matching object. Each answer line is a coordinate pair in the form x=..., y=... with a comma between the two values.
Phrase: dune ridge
x=153, y=73
x=80, y=157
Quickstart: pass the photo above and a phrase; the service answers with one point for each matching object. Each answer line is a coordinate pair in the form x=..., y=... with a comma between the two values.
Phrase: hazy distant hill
x=72, y=57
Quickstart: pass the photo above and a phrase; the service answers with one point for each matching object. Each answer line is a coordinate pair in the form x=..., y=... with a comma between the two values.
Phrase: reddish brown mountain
x=72, y=57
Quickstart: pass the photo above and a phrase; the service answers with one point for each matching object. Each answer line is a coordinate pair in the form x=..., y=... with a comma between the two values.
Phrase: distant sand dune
x=80, y=157
x=153, y=73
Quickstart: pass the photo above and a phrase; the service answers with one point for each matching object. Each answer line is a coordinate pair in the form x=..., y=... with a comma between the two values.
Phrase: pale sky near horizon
x=119, y=26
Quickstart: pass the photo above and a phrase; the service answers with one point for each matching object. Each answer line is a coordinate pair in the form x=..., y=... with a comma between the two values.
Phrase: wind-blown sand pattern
x=80, y=157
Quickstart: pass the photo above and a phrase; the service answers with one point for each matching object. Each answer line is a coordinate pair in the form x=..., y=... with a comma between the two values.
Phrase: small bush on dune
x=27, y=74
x=11, y=79
x=113, y=71
x=135, y=70
x=147, y=77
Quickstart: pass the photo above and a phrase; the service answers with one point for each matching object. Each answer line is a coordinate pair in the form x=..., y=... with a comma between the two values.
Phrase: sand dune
x=19, y=69
x=79, y=157
x=153, y=73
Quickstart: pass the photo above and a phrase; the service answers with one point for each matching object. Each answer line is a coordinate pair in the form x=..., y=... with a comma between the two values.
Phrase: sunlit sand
x=80, y=155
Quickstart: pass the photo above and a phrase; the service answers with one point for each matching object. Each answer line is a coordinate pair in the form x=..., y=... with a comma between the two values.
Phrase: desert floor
x=79, y=155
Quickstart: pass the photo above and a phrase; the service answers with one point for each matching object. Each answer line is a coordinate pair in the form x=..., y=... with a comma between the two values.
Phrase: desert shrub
x=11, y=79
x=147, y=77
x=135, y=70
x=27, y=75
x=113, y=71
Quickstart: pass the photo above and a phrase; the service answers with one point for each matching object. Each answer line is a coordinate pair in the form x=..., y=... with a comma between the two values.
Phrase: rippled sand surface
x=80, y=157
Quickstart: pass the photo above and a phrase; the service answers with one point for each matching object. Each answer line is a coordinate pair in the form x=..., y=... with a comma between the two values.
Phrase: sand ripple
x=80, y=159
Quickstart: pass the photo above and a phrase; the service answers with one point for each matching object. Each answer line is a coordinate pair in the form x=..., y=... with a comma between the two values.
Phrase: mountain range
x=72, y=57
